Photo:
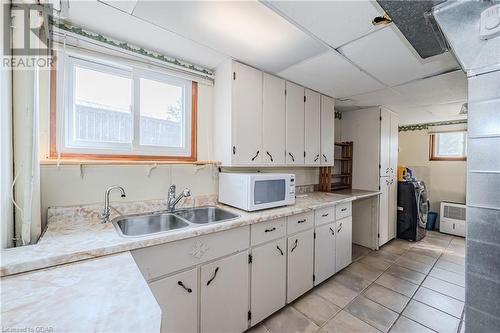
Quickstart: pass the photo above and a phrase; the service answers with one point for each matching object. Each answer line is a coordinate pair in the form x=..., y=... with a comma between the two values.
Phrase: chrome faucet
x=172, y=200
x=106, y=212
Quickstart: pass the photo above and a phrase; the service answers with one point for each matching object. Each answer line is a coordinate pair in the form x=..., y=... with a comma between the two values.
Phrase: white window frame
x=66, y=103
x=435, y=148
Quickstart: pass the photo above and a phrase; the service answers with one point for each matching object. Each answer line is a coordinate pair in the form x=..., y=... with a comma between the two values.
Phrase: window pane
x=102, y=107
x=451, y=144
x=162, y=114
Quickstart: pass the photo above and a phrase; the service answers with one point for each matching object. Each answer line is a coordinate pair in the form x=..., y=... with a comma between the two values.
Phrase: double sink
x=152, y=223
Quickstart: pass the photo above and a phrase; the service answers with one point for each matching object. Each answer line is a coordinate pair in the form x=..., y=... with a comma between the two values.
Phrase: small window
x=448, y=146
x=112, y=111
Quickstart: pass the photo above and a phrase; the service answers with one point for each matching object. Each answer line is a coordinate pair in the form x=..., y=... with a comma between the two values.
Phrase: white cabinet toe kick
x=231, y=280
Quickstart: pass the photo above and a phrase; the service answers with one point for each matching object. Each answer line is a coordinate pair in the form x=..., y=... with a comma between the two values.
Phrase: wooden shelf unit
x=329, y=181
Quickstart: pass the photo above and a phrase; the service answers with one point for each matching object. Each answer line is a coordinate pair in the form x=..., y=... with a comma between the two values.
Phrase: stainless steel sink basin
x=202, y=215
x=146, y=224
x=139, y=225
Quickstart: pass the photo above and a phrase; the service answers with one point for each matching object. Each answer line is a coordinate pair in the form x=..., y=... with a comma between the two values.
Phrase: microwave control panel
x=292, y=186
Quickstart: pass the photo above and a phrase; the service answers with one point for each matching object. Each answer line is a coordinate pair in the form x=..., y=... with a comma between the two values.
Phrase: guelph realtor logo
x=27, y=44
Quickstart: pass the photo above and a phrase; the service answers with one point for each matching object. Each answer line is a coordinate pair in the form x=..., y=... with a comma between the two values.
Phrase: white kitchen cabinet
x=327, y=130
x=300, y=264
x=177, y=297
x=392, y=207
x=383, y=229
x=394, y=144
x=312, y=110
x=224, y=288
x=273, y=120
x=385, y=142
x=294, y=124
x=268, y=279
x=324, y=252
x=343, y=243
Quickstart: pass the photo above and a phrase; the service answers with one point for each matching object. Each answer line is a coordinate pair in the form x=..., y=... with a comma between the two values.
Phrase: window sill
x=67, y=161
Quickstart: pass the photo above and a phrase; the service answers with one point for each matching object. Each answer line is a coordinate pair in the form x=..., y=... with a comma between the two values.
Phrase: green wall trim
x=419, y=127
x=132, y=48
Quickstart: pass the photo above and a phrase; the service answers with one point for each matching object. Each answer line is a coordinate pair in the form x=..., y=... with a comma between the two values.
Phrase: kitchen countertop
x=359, y=194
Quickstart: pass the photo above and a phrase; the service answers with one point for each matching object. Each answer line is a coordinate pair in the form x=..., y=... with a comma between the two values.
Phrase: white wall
x=446, y=180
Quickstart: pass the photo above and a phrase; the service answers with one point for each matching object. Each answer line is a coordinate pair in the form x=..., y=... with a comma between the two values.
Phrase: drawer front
x=343, y=210
x=159, y=260
x=324, y=215
x=299, y=222
x=267, y=231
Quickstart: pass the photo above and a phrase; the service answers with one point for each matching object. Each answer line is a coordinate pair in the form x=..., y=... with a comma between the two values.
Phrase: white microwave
x=254, y=191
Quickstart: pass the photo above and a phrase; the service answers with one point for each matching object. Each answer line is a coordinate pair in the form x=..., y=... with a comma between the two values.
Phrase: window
x=112, y=111
x=448, y=146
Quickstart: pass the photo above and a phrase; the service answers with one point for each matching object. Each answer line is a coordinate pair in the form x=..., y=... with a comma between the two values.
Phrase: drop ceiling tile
x=245, y=30
x=334, y=22
x=107, y=20
x=123, y=5
x=332, y=75
x=387, y=96
x=388, y=56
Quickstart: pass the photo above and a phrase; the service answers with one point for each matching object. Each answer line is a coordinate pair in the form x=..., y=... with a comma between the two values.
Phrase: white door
x=312, y=127
x=327, y=130
x=177, y=297
x=392, y=206
x=393, y=159
x=383, y=224
x=343, y=243
x=224, y=295
x=294, y=124
x=268, y=291
x=273, y=123
x=300, y=264
x=385, y=142
x=324, y=253
x=247, y=115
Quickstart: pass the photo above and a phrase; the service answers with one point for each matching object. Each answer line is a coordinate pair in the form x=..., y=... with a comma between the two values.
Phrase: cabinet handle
x=325, y=215
x=339, y=228
x=257, y=154
x=293, y=159
x=295, y=245
x=189, y=290
x=270, y=230
x=333, y=232
x=343, y=209
x=317, y=156
x=301, y=221
x=213, y=277
x=270, y=156
x=387, y=170
x=326, y=159
x=279, y=249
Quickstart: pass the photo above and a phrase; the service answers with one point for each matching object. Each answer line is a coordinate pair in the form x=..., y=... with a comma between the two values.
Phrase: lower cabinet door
x=324, y=253
x=343, y=243
x=224, y=295
x=177, y=296
x=268, y=290
x=300, y=264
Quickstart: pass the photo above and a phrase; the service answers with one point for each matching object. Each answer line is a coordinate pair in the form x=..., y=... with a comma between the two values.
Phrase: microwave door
x=268, y=193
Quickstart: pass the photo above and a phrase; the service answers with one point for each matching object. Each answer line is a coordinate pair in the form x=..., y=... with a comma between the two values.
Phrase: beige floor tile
x=260, y=328
x=387, y=297
x=395, y=247
x=437, y=320
x=448, y=276
x=351, y=281
x=450, y=266
x=444, y=287
x=427, y=250
x=344, y=322
x=405, y=325
x=414, y=265
x=364, y=271
x=458, y=259
x=336, y=293
x=384, y=255
x=378, y=263
x=359, y=251
x=416, y=256
x=443, y=243
x=401, y=286
x=290, y=320
x=439, y=301
x=407, y=274
x=316, y=308
x=372, y=313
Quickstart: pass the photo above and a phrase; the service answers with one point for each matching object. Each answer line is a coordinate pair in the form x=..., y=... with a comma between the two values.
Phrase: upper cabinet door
x=393, y=159
x=312, y=127
x=327, y=130
x=247, y=115
x=294, y=124
x=273, y=124
x=385, y=142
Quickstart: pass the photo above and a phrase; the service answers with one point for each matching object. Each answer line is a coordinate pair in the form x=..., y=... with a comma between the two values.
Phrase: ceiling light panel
x=334, y=22
x=332, y=75
x=388, y=56
x=245, y=30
